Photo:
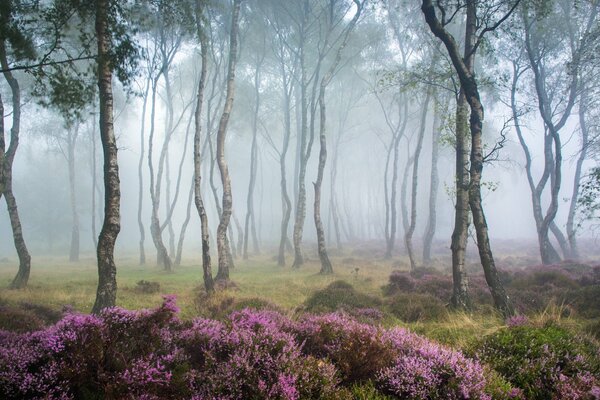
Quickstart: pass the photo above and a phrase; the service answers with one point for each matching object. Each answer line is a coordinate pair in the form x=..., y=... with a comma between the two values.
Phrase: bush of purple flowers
x=152, y=354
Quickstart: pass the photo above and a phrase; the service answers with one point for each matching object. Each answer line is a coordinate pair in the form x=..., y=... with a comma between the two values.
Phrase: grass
x=56, y=282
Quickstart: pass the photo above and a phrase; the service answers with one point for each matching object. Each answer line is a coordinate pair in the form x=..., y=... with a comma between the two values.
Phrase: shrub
x=416, y=307
x=425, y=370
x=399, y=282
x=151, y=354
x=586, y=301
x=355, y=349
x=545, y=279
x=339, y=295
x=18, y=320
x=221, y=306
x=543, y=361
x=147, y=287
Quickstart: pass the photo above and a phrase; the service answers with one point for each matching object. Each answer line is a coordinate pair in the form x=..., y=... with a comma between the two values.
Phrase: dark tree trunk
x=464, y=70
x=107, y=270
x=7, y=159
x=222, y=248
x=206, y=266
x=433, y=188
x=460, y=284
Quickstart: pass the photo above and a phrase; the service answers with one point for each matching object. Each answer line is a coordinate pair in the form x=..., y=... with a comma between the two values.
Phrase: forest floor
x=56, y=283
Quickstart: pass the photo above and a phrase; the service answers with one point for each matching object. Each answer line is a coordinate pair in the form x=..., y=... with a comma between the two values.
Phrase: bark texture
x=107, y=271
x=206, y=266
x=7, y=157
x=227, y=201
x=468, y=83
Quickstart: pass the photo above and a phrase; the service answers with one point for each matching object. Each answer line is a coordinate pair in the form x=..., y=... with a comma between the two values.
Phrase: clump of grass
x=415, y=307
x=144, y=286
x=340, y=295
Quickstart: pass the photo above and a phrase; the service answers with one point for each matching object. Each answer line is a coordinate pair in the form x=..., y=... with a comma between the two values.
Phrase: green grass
x=56, y=282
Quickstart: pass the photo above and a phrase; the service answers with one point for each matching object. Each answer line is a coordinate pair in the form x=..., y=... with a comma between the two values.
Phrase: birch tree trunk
x=107, y=270
x=222, y=248
x=198, y=202
x=7, y=159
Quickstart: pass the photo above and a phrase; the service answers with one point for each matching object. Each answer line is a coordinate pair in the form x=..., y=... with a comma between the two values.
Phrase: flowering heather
x=152, y=354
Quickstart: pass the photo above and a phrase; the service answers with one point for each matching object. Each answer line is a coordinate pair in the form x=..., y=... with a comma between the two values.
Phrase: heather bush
x=221, y=306
x=152, y=354
x=250, y=357
x=545, y=362
x=416, y=307
x=147, y=287
x=426, y=370
x=18, y=320
x=339, y=295
x=544, y=280
x=356, y=349
x=399, y=281
x=585, y=301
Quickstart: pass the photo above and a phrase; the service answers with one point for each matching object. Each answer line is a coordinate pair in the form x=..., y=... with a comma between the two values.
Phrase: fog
x=374, y=64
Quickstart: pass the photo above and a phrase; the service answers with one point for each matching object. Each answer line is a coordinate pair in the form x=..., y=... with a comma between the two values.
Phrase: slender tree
x=464, y=68
x=227, y=200
x=107, y=270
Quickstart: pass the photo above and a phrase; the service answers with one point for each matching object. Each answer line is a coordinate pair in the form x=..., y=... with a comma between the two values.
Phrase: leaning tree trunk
x=206, y=267
x=107, y=270
x=22, y=277
x=464, y=69
x=433, y=188
x=222, y=248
